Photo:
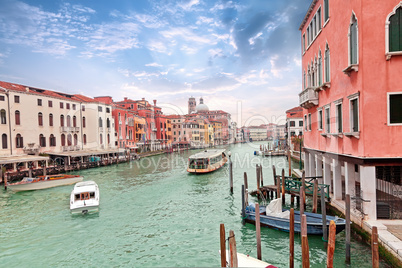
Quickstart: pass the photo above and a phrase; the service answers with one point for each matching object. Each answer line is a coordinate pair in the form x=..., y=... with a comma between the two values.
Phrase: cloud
x=153, y=64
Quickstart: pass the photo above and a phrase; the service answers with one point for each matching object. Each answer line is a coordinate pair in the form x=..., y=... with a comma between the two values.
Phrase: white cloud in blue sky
x=225, y=51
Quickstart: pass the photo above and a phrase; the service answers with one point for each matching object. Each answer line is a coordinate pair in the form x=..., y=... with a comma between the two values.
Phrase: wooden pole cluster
x=258, y=230
x=243, y=200
x=374, y=247
x=261, y=178
x=303, y=202
x=274, y=171
x=331, y=245
x=305, y=247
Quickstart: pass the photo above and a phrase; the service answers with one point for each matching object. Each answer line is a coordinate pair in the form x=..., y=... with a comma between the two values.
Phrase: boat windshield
x=198, y=163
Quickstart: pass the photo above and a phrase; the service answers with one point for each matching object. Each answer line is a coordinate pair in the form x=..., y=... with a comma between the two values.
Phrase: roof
x=309, y=11
x=296, y=112
x=207, y=153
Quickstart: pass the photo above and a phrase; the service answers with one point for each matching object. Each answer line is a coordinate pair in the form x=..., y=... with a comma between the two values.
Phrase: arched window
x=85, y=139
x=83, y=122
x=40, y=119
x=4, y=141
x=100, y=139
x=42, y=140
x=50, y=120
x=3, y=116
x=19, y=143
x=68, y=121
x=108, y=139
x=327, y=64
x=100, y=122
x=108, y=123
x=308, y=76
x=69, y=140
x=74, y=121
x=52, y=140
x=17, y=118
x=63, y=140
x=75, y=139
x=393, y=32
x=353, y=41
x=304, y=79
x=62, y=120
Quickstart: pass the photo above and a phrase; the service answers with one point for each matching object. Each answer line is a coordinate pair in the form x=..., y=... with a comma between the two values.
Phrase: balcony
x=308, y=98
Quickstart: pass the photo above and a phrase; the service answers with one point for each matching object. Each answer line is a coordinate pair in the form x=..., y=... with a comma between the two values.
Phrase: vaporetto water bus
x=207, y=161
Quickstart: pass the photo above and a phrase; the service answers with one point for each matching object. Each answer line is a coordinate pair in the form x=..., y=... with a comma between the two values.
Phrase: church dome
x=202, y=107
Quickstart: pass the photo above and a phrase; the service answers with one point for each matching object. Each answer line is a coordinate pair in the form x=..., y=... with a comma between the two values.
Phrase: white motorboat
x=43, y=182
x=84, y=198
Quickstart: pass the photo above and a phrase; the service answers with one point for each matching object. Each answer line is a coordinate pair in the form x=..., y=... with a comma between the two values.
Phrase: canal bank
x=152, y=214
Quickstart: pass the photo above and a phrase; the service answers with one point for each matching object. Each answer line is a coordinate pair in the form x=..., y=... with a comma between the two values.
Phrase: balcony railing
x=69, y=129
x=308, y=98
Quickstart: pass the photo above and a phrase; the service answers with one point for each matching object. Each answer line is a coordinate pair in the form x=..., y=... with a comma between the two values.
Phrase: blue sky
x=232, y=53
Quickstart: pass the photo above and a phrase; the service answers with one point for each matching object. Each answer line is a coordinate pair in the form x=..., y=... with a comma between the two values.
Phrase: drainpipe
x=9, y=120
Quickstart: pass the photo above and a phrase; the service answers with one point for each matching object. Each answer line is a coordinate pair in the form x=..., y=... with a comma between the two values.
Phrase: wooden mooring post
x=258, y=230
x=374, y=247
x=324, y=215
x=347, y=229
x=291, y=238
x=243, y=206
x=315, y=195
x=258, y=177
x=245, y=191
x=301, y=194
x=231, y=175
x=331, y=245
x=304, y=239
x=261, y=177
x=278, y=187
x=290, y=164
x=274, y=171
x=232, y=249
x=283, y=187
x=303, y=201
x=223, y=245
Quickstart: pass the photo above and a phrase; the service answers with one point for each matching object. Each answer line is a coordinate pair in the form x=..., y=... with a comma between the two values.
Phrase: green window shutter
x=395, y=108
x=326, y=10
x=395, y=33
x=355, y=114
x=353, y=43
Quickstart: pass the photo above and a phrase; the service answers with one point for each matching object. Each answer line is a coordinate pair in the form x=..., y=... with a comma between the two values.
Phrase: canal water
x=152, y=214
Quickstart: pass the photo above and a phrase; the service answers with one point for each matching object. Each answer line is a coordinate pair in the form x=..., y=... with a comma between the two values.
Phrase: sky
x=243, y=57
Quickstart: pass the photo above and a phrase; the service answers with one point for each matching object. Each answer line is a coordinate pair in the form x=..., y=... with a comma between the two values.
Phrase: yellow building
x=217, y=132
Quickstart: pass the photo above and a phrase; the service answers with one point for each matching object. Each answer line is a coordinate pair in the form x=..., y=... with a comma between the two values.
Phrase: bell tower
x=192, y=104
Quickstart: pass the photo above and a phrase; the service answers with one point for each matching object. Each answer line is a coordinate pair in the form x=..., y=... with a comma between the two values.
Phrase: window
x=61, y=105
x=327, y=64
x=50, y=120
x=16, y=99
x=393, y=30
x=74, y=121
x=354, y=112
x=308, y=36
x=69, y=140
x=327, y=120
x=74, y=106
x=319, y=68
x=339, y=117
x=68, y=121
x=68, y=106
x=42, y=140
x=2, y=98
x=394, y=108
x=304, y=79
x=50, y=103
x=52, y=140
x=99, y=108
x=107, y=109
x=4, y=141
x=305, y=122
x=353, y=41
x=100, y=139
x=83, y=108
x=83, y=121
x=300, y=123
x=108, y=123
x=309, y=121
x=85, y=139
x=319, y=20
x=39, y=102
x=17, y=118
x=40, y=119
x=75, y=139
x=19, y=143
x=62, y=120
x=326, y=10
x=108, y=138
x=304, y=43
x=100, y=122
x=292, y=123
x=3, y=116
x=63, y=140
x=319, y=119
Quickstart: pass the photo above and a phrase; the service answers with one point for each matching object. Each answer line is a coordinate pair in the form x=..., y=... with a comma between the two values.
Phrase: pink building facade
x=352, y=100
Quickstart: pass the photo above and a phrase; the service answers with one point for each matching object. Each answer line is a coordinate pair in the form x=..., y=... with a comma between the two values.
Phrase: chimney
x=125, y=98
x=154, y=102
x=143, y=99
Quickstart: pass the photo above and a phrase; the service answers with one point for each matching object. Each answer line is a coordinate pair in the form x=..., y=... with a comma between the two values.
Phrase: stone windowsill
x=350, y=68
x=352, y=134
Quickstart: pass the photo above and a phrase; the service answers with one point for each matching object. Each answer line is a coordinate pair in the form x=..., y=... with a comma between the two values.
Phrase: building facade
x=352, y=100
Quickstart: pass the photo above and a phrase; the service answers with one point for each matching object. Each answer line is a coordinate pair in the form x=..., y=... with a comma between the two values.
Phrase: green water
x=152, y=213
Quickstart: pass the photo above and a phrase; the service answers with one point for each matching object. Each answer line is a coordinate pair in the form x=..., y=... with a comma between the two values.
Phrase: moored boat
x=274, y=217
x=207, y=161
x=84, y=198
x=43, y=182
